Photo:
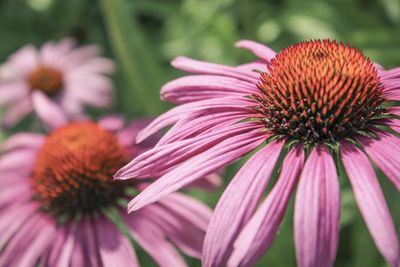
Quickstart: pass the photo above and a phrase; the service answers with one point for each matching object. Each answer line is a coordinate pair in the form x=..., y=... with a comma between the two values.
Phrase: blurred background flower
x=144, y=35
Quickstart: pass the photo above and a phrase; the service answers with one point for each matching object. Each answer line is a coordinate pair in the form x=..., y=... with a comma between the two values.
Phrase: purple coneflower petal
x=254, y=67
x=371, y=202
x=26, y=58
x=201, y=67
x=56, y=248
x=317, y=208
x=39, y=246
x=153, y=162
x=13, y=219
x=178, y=228
x=394, y=110
x=257, y=49
x=48, y=111
x=12, y=91
x=90, y=243
x=183, y=111
x=23, y=239
x=153, y=241
x=259, y=233
x=114, y=247
x=199, y=166
x=237, y=204
x=23, y=140
x=17, y=112
x=201, y=122
x=209, y=183
x=200, y=87
x=112, y=123
x=383, y=152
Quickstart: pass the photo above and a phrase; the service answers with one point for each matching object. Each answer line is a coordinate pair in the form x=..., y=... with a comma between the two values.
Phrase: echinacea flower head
x=59, y=205
x=73, y=77
x=304, y=111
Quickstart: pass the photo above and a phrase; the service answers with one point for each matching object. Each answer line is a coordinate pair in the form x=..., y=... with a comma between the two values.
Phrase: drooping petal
x=173, y=115
x=237, y=205
x=48, y=111
x=209, y=183
x=199, y=166
x=201, y=67
x=90, y=249
x=259, y=233
x=203, y=121
x=317, y=210
x=151, y=238
x=16, y=112
x=112, y=123
x=153, y=162
x=21, y=242
x=257, y=49
x=12, y=91
x=182, y=220
x=383, y=152
x=200, y=87
x=23, y=140
x=371, y=202
x=115, y=249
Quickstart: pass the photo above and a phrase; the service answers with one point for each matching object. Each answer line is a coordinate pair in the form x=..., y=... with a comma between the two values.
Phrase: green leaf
x=140, y=67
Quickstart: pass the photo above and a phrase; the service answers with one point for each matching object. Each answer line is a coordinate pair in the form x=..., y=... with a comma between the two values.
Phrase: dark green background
x=144, y=35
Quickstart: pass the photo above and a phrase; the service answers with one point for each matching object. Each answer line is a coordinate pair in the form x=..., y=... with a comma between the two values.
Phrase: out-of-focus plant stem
x=140, y=68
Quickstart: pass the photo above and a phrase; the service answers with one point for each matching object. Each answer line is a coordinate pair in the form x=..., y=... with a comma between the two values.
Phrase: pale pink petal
x=65, y=255
x=180, y=230
x=317, y=208
x=127, y=135
x=12, y=91
x=40, y=246
x=112, y=123
x=198, y=167
x=14, y=219
x=18, y=159
x=21, y=242
x=180, y=112
x=17, y=112
x=383, y=152
x=200, y=87
x=237, y=204
x=259, y=233
x=56, y=248
x=204, y=121
x=209, y=183
x=90, y=249
x=189, y=208
x=23, y=140
x=254, y=67
x=371, y=202
x=257, y=49
x=149, y=236
x=115, y=249
x=201, y=67
x=26, y=58
x=152, y=162
x=48, y=111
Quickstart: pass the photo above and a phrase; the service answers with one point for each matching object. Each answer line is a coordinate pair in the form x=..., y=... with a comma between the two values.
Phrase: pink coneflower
x=315, y=105
x=72, y=77
x=59, y=203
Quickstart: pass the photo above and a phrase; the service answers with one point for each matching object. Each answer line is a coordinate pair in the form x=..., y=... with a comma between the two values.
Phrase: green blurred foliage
x=144, y=35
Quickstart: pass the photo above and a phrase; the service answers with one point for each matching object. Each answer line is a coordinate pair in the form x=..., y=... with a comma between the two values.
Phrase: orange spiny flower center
x=74, y=169
x=319, y=90
x=46, y=79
